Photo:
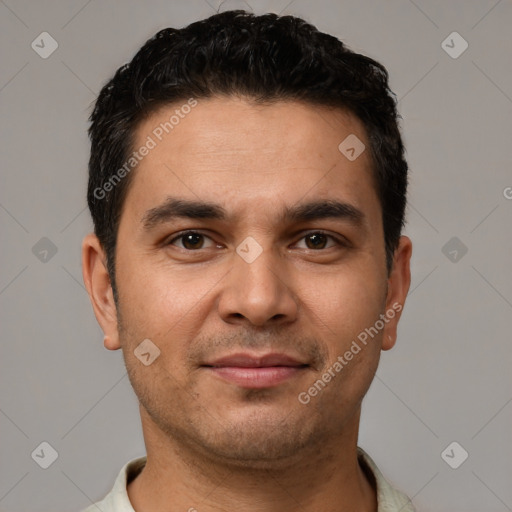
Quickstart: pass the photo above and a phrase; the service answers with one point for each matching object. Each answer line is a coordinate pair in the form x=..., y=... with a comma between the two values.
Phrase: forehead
x=252, y=156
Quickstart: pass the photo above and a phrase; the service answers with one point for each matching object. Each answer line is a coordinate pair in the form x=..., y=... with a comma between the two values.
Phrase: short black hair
x=264, y=58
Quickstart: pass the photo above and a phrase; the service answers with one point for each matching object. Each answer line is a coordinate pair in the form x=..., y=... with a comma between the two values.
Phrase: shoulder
x=389, y=499
x=117, y=499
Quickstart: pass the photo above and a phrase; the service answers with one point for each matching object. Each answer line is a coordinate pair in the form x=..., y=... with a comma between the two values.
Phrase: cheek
x=150, y=291
x=344, y=304
x=164, y=303
x=344, y=308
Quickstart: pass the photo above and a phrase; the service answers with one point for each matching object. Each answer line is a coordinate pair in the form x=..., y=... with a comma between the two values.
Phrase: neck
x=326, y=477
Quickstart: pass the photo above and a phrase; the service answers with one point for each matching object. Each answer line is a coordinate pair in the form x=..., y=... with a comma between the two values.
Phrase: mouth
x=256, y=372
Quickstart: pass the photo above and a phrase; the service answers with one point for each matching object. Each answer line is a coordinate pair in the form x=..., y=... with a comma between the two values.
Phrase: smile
x=256, y=372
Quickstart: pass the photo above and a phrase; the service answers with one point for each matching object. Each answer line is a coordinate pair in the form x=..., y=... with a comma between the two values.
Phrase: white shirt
x=388, y=498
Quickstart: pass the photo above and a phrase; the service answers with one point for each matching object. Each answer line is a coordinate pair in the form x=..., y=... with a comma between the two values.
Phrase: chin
x=258, y=442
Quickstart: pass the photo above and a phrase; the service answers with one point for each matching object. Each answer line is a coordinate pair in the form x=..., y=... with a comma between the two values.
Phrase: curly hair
x=265, y=58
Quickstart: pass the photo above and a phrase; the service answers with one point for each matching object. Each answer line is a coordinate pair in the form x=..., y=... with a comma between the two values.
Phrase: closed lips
x=248, y=361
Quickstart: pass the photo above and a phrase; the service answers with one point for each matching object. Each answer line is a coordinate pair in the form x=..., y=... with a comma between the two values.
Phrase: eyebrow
x=173, y=208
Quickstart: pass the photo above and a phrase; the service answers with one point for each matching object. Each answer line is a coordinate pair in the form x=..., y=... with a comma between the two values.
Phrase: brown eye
x=317, y=240
x=190, y=240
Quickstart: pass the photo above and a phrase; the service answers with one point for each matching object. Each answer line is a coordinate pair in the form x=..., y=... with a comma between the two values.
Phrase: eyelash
x=338, y=241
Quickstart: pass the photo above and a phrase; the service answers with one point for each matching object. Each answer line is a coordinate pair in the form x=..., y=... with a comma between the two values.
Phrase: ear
x=99, y=288
x=398, y=287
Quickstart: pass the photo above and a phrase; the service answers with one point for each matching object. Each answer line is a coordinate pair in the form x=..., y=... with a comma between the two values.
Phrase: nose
x=258, y=292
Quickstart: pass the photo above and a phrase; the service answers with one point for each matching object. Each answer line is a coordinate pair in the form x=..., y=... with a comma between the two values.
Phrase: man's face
x=252, y=282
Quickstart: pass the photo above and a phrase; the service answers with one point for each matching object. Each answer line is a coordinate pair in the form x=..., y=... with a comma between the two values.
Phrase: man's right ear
x=98, y=285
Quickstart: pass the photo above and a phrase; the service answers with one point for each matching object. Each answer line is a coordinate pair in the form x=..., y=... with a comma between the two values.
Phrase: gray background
x=448, y=377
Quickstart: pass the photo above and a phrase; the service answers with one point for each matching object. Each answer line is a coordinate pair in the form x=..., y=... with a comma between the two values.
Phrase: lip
x=256, y=371
x=247, y=360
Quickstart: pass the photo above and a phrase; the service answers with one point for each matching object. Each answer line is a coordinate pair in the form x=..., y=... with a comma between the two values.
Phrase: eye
x=194, y=240
x=191, y=240
x=316, y=240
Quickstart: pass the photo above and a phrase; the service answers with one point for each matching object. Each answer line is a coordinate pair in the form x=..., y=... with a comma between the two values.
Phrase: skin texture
x=211, y=444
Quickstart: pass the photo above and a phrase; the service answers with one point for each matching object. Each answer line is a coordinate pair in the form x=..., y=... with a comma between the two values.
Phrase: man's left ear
x=398, y=287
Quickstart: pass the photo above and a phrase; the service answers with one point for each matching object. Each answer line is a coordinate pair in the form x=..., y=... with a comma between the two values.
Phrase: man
x=247, y=186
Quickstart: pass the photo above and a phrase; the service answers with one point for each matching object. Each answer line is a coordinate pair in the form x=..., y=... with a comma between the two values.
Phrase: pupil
x=191, y=239
x=316, y=237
